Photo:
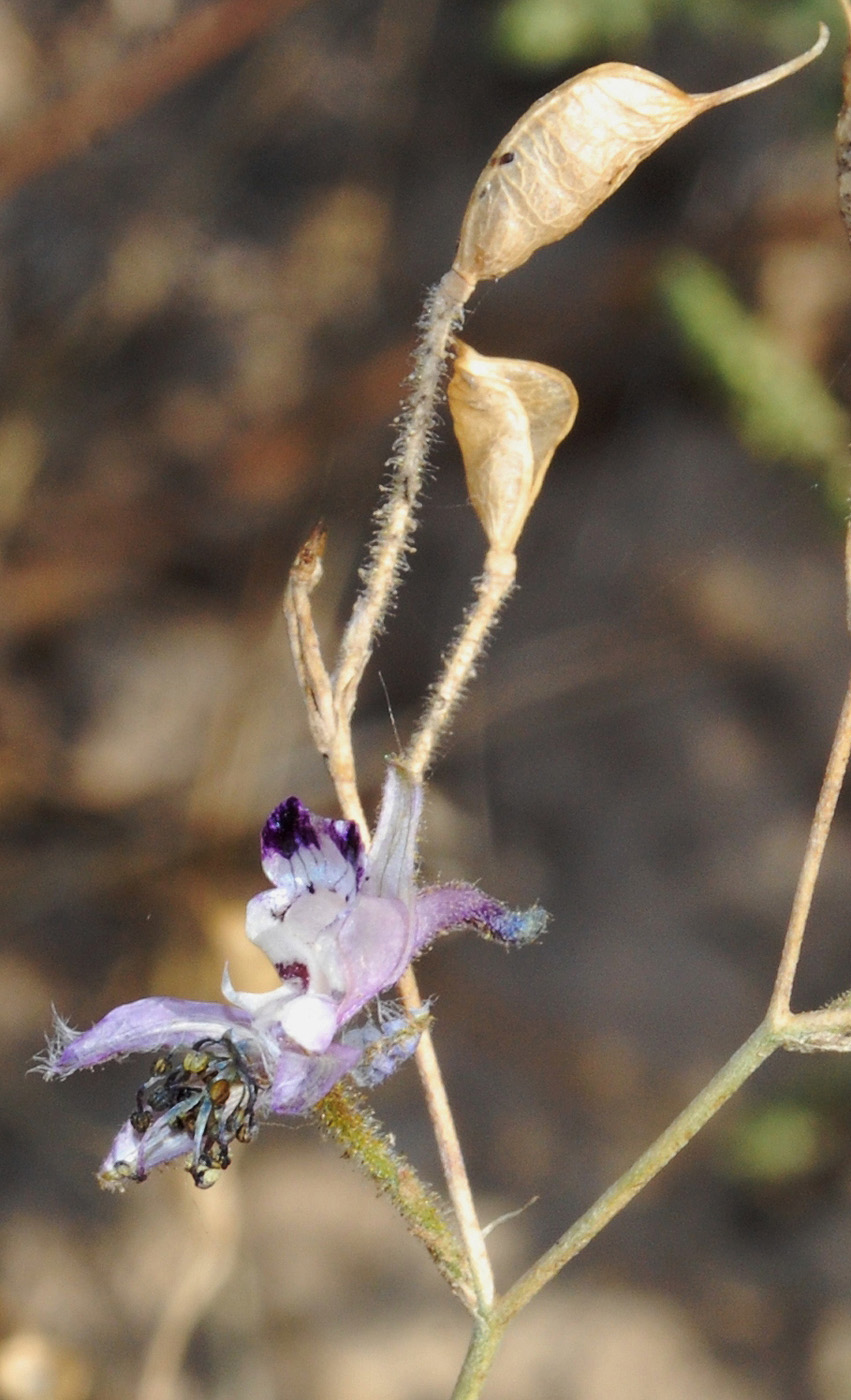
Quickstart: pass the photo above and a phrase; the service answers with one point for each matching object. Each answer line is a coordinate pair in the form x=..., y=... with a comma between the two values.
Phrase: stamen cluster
x=208, y=1092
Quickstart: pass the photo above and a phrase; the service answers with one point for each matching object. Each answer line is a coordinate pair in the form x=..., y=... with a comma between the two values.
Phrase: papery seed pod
x=509, y=417
x=571, y=150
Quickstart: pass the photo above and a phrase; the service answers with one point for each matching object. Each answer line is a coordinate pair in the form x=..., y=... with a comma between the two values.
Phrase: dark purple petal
x=154, y=1023
x=292, y=828
x=288, y=829
x=301, y=852
x=346, y=837
x=443, y=907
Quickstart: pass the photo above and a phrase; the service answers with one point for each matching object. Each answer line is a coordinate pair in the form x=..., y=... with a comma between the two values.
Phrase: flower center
x=209, y=1093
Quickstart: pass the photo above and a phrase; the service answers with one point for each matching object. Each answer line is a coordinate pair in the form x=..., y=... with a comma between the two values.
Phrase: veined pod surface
x=509, y=417
x=572, y=149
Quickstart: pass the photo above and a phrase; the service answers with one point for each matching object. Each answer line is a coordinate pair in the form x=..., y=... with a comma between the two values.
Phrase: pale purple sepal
x=140, y=1027
x=302, y=1080
x=376, y=945
x=133, y=1156
x=392, y=857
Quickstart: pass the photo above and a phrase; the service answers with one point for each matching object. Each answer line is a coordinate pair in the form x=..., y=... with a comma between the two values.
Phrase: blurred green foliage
x=780, y=405
x=546, y=33
x=777, y=1142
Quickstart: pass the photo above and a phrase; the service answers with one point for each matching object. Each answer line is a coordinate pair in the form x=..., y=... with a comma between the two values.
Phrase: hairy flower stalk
x=340, y=927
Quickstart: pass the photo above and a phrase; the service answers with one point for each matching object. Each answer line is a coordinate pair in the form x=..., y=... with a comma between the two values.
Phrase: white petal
x=288, y=934
x=311, y=868
x=261, y=1006
x=311, y=1021
x=393, y=852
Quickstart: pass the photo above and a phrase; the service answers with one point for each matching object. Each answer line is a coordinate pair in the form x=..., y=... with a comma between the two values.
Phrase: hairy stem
x=345, y=1116
x=459, y=664
x=396, y=517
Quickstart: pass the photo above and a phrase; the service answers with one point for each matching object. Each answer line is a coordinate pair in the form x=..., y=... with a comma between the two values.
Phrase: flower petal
x=154, y=1023
x=393, y=852
x=376, y=943
x=302, y=1080
x=301, y=852
x=133, y=1155
x=307, y=1018
x=299, y=936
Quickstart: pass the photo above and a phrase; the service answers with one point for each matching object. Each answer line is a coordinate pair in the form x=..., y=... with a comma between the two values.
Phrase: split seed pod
x=571, y=150
x=509, y=417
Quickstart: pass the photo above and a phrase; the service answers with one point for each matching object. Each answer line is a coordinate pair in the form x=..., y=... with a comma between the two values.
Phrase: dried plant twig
x=313, y=679
x=451, y=1155
x=71, y=124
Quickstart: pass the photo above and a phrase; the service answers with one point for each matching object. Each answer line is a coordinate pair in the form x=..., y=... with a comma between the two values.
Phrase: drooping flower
x=340, y=927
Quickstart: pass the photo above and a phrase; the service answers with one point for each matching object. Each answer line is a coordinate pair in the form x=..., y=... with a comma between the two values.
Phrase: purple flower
x=340, y=927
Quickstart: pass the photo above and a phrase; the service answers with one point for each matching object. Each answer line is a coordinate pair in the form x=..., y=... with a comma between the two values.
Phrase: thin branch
x=484, y=1342
x=837, y=765
x=313, y=678
x=341, y=766
x=396, y=518
x=451, y=1156
x=460, y=663
x=70, y=125
x=675, y=1137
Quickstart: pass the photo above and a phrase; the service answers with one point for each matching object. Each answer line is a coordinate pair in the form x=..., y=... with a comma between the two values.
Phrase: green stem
x=484, y=1343
x=490, y=1325
x=707, y=1103
x=345, y=1116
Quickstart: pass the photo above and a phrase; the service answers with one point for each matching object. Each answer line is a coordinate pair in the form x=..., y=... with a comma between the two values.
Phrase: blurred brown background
x=211, y=260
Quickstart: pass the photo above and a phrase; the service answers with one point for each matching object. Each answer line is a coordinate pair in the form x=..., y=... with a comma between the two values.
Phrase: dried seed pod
x=509, y=417
x=571, y=150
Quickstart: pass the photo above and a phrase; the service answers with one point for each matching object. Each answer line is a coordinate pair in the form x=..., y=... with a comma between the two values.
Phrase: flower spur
x=340, y=926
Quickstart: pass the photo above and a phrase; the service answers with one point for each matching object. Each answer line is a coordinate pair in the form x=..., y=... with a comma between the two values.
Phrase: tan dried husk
x=509, y=417
x=571, y=150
